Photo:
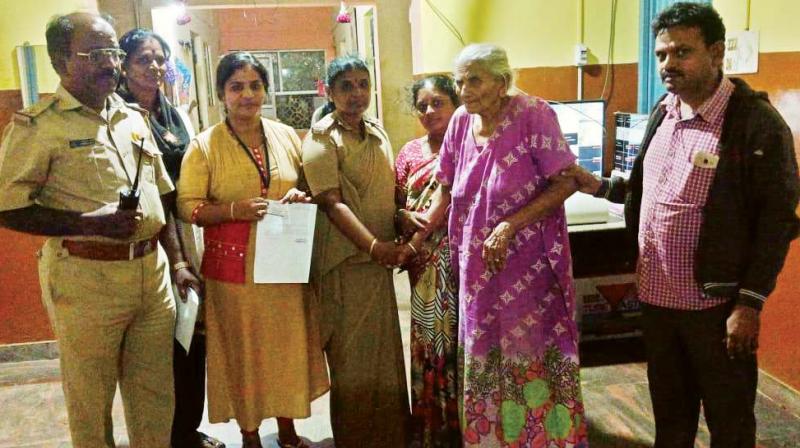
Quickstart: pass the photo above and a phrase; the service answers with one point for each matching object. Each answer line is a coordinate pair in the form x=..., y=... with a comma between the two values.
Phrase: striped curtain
x=30, y=91
x=650, y=87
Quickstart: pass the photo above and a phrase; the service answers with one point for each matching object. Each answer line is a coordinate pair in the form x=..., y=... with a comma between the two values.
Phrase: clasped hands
x=409, y=223
x=390, y=254
x=495, y=248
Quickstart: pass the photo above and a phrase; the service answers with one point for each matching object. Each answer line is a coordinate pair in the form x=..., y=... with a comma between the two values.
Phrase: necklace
x=264, y=174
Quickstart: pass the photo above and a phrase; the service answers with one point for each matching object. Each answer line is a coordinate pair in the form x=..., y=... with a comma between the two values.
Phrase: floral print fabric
x=518, y=342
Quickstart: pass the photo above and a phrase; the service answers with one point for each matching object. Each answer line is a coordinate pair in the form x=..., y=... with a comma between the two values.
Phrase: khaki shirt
x=63, y=155
x=336, y=157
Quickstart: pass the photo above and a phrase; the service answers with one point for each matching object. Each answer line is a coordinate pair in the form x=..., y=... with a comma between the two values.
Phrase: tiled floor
x=614, y=385
x=614, y=382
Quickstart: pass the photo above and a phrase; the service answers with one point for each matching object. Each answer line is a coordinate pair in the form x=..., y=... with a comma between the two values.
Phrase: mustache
x=664, y=74
x=109, y=74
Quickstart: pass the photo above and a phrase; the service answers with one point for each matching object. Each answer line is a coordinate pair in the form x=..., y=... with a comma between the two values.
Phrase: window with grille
x=293, y=77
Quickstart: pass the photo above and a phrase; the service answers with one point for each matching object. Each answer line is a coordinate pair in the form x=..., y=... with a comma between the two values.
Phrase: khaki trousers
x=114, y=321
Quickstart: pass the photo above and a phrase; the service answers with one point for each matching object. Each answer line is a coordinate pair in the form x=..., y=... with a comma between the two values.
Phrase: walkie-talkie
x=129, y=199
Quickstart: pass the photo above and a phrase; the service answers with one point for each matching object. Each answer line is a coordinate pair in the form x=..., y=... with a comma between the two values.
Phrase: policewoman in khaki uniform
x=104, y=276
x=349, y=165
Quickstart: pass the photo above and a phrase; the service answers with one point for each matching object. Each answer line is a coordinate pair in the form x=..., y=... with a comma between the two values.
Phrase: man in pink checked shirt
x=712, y=200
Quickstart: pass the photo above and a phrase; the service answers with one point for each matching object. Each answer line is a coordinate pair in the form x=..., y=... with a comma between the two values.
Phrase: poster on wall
x=182, y=79
x=741, y=53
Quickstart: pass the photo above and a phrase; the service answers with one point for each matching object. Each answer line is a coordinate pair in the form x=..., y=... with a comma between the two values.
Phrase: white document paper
x=284, y=240
x=187, y=316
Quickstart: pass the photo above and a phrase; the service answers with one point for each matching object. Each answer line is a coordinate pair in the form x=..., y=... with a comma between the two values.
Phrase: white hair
x=489, y=57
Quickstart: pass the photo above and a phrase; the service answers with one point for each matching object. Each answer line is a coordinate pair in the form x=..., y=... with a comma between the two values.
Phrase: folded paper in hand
x=187, y=316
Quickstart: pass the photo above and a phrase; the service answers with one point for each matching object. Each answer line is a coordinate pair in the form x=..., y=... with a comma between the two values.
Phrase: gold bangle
x=413, y=249
x=181, y=265
x=233, y=218
x=372, y=246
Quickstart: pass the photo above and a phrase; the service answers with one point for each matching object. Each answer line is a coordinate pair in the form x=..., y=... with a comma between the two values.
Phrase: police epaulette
x=28, y=115
x=322, y=126
x=373, y=122
x=136, y=107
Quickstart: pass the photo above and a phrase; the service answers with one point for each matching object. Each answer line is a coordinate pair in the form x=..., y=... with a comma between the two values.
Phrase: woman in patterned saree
x=434, y=300
x=518, y=341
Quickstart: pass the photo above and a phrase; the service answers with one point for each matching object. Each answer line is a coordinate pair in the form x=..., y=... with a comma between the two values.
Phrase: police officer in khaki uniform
x=104, y=275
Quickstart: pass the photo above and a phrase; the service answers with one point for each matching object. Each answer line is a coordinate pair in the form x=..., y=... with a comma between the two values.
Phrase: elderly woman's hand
x=495, y=247
x=294, y=195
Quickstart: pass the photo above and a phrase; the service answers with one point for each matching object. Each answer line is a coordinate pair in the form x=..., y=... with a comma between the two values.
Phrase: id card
x=703, y=159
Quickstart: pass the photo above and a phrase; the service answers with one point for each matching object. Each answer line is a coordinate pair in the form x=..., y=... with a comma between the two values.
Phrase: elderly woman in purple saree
x=518, y=341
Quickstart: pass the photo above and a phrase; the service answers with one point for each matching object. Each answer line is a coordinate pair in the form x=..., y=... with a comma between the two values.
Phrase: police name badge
x=81, y=143
x=703, y=159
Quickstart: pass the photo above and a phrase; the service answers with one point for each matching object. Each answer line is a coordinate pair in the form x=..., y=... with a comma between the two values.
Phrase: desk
x=604, y=268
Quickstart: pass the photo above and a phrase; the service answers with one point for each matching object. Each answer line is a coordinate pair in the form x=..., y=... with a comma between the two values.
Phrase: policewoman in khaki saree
x=348, y=163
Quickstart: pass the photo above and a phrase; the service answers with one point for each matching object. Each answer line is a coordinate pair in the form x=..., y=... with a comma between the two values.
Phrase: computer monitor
x=583, y=124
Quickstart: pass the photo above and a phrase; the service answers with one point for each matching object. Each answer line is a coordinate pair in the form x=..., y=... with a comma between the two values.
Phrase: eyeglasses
x=422, y=107
x=147, y=60
x=102, y=54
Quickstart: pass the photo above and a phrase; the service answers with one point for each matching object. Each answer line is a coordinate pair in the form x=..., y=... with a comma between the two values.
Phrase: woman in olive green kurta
x=348, y=163
x=264, y=354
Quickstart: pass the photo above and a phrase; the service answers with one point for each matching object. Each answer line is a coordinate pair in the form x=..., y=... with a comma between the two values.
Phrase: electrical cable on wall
x=747, y=20
x=610, y=63
x=447, y=23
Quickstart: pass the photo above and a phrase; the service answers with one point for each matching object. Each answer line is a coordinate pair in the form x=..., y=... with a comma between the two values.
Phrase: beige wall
x=775, y=20
x=122, y=12
x=25, y=21
x=543, y=33
x=394, y=40
x=535, y=33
